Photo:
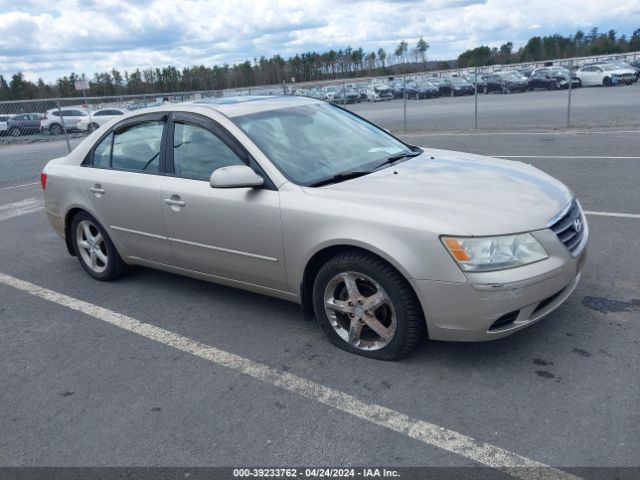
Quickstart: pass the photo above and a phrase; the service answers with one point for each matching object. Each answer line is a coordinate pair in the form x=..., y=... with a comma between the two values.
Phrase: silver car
x=382, y=242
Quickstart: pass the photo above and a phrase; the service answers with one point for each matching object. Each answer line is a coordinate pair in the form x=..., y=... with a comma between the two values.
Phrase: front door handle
x=97, y=189
x=175, y=202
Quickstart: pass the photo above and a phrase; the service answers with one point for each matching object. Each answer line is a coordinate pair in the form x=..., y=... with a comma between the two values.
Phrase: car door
x=34, y=122
x=123, y=178
x=233, y=233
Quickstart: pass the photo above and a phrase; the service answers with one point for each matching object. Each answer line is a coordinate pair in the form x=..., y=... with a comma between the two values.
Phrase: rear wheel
x=56, y=129
x=364, y=306
x=14, y=132
x=94, y=248
x=92, y=126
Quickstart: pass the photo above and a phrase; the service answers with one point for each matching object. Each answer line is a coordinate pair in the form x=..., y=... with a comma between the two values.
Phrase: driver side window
x=197, y=152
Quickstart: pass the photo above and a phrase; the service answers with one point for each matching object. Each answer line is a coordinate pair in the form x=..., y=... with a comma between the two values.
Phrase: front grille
x=570, y=227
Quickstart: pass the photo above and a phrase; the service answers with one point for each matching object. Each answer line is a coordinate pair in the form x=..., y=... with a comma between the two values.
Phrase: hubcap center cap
x=358, y=311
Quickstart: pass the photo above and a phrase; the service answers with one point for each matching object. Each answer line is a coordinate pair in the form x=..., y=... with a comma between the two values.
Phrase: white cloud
x=85, y=36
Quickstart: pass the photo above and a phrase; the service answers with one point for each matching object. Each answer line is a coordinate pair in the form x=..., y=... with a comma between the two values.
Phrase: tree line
x=313, y=66
x=552, y=47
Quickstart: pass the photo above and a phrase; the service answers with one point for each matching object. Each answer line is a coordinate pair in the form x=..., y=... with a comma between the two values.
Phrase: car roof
x=244, y=105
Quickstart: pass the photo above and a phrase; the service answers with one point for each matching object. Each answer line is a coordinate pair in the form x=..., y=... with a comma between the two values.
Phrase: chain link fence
x=590, y=92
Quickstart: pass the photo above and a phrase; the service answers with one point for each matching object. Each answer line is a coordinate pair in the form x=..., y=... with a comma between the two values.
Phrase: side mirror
x=235, y=176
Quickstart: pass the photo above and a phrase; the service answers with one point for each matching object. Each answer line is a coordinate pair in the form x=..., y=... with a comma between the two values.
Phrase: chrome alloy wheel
x=360, y=311
x=91, y=246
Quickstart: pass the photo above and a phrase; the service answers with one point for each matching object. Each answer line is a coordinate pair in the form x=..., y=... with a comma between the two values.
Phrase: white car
x=379, y=92
x=605, y=74
x=4, y=119
x=98, y=118
x=329, y=93
x=54, y=120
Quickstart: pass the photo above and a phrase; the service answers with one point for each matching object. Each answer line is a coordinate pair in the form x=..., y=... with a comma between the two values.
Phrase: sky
x=48, y=39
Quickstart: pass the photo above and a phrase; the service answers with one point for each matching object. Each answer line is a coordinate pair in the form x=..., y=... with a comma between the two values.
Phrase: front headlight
x=485, y=254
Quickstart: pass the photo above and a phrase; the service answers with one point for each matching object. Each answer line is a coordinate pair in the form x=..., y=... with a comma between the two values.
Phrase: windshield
x=311, y=143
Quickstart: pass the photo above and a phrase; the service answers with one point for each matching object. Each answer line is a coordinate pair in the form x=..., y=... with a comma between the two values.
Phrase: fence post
x=475, y=94
x=64, y=127
x=344, y=93
x=404, y=100
x=569, y=96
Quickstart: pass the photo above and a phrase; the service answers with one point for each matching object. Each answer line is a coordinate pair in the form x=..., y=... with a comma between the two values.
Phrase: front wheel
x=364, y=306
x=94, y=248
x=14, y=132
x=607, y=82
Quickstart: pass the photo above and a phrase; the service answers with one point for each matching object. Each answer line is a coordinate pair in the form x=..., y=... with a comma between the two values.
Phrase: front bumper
x=469, y=311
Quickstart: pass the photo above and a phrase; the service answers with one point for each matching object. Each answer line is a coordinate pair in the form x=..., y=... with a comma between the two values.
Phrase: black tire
x=410, y=322
x=55, y=129
x=15, y=132
x=115, y=267
x=606, y=82
x=93, y=126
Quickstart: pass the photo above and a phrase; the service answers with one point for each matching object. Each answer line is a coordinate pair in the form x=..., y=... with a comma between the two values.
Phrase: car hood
x=456, y=193
x=622, y=71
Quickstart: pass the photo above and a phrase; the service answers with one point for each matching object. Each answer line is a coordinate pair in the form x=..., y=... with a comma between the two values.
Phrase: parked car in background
x=346, y=95
x=457, y=86
x=628, y=69
x=636, y=66
x=512, y=82
x=427, y=89
x=54, y=120
x=443, y=87
x=525, y=71
x=98, y=118
x=329, y=92
x=362, y=88
x=606, y=75
x=552, y=78
x=422, y=89
x=491, y=83
x=377, y=92
x=397, y=87
x=23, y=124
x=4, y=127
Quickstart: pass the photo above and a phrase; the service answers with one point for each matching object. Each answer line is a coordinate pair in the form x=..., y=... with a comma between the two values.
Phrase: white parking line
x=567, y=156
x=577, y=132
x=428, y=433
x=613, y=214
x=15, y=209
x=19, y=186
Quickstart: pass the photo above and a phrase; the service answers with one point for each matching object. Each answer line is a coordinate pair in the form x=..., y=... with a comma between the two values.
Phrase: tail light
x=43, y=180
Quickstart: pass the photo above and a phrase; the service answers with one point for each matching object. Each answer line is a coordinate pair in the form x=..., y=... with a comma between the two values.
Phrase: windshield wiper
x=340, y=177
x=398, y=156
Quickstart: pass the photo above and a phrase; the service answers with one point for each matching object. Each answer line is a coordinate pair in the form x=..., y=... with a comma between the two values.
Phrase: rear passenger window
x=197, y=152
x=137, y=147
x=102, y=153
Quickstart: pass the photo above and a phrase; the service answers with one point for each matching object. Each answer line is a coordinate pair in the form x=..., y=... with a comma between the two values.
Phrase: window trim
x=221, y=133
x=146, y=117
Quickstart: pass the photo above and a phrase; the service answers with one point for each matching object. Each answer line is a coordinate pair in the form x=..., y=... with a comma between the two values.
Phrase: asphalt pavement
x=77, y=390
